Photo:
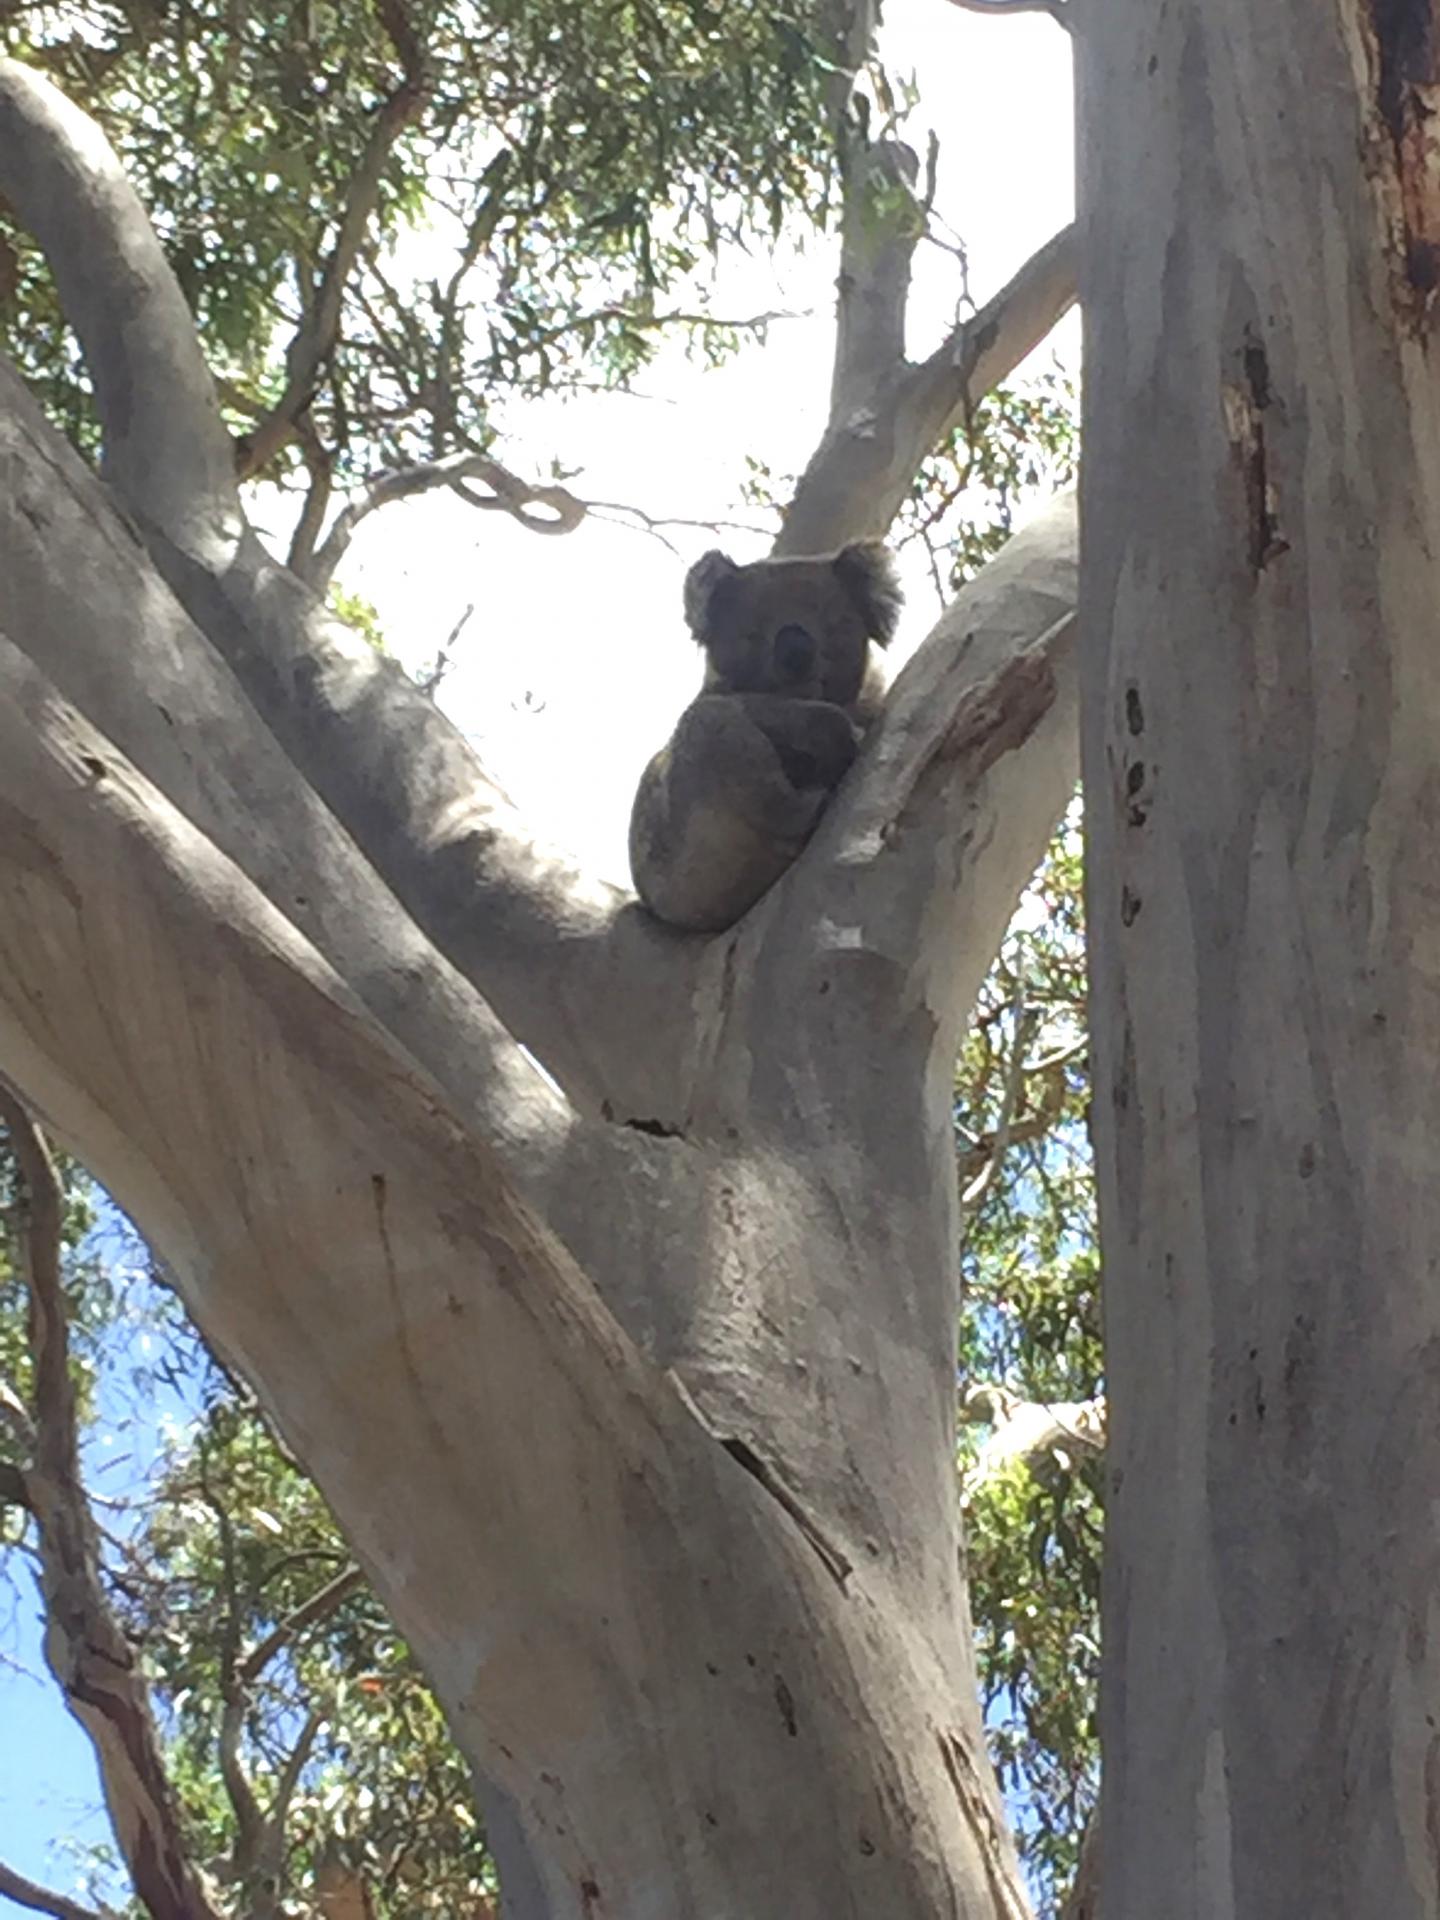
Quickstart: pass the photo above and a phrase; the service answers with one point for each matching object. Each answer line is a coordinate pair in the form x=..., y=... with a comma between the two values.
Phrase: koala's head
x=801, y=627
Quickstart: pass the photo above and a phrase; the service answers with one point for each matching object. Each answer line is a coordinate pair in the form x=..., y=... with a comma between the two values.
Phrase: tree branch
x=869, y=454
x=1030, y=1431
x=85, y=1647
x=309, y=526
x=29, y=1893
x=881, y=227
x=1083, y=1900
x=343, y=1234
x=285, y=1787
x=961, y=784
x=105, y=631
x=509, y=494
x=236, y=1782
x=319, y=329
x=564, y=962
x=166, y=448
x=319, y=1606
x=985, y=349
x=1058, y=10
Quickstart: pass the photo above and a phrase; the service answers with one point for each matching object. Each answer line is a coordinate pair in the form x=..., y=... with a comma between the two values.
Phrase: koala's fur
x=792, y=680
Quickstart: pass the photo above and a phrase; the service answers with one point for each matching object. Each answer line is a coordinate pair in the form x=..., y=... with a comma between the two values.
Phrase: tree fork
x=706, y=1645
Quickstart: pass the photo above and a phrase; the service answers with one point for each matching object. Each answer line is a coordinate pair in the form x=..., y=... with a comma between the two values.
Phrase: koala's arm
x=723, y=810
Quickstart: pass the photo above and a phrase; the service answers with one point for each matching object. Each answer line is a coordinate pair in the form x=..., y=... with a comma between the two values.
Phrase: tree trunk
x=1260, y=218
x=630, y=1377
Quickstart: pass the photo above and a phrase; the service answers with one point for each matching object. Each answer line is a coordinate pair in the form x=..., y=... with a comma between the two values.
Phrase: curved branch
x=29, y=1893
x=319, y=329
x=279, y=1810
x=165, y=446
x=928, y=845
x=869, y=455
x=510, y=494
x=985, y=349
x=564, y=963
x=80, y=598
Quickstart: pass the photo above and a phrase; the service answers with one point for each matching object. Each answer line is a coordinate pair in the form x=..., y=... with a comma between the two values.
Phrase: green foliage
x=1018, y=440
x=92, y=1290
x=1029, y=1256
x=233, y=1543
x=359, y=614
x=1032, y=1328
x=568, y=168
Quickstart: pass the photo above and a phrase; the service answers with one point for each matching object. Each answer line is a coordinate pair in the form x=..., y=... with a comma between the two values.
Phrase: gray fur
x=792, y=681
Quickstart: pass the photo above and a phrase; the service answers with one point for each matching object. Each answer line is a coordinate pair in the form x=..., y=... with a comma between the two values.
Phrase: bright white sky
x=589, y=625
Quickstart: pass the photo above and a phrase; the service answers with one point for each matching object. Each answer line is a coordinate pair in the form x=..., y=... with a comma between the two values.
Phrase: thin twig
x=561, y=511
x=290, y=1777
x=429, y=681
x=620, y=514
x=320, y=326
x=321, y=1603
x=976, y=1191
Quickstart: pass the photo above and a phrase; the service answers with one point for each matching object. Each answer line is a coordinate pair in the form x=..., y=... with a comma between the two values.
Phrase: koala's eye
x=794, y=653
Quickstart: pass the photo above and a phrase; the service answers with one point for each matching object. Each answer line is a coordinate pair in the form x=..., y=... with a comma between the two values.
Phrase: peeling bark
x=1261, y=497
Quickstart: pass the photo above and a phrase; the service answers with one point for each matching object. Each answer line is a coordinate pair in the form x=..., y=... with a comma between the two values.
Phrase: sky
x=588, y=629
x=575, y=662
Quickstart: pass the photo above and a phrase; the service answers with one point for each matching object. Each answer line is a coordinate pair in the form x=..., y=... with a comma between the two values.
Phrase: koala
x=792, y=681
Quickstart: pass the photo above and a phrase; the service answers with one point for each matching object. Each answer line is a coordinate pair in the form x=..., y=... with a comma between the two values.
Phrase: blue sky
x=50, y=1800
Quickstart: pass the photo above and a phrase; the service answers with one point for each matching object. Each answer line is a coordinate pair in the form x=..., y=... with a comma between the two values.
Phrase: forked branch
x=877, y=439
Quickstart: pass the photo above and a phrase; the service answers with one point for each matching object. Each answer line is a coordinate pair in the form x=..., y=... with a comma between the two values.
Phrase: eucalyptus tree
x=605, y=1280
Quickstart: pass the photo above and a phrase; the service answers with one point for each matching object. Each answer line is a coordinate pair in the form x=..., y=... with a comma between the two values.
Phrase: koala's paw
x=819, y=753
x=814, y=740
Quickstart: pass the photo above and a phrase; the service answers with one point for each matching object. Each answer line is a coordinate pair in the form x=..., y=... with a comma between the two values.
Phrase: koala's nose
x=794, y=654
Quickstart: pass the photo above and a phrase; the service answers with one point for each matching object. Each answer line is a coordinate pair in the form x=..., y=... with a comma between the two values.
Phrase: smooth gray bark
x=1260, y=589
x=630, y=1379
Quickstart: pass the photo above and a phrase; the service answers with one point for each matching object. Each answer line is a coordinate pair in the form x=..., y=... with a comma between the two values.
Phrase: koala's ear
x=710, y=573
x=868, y=573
